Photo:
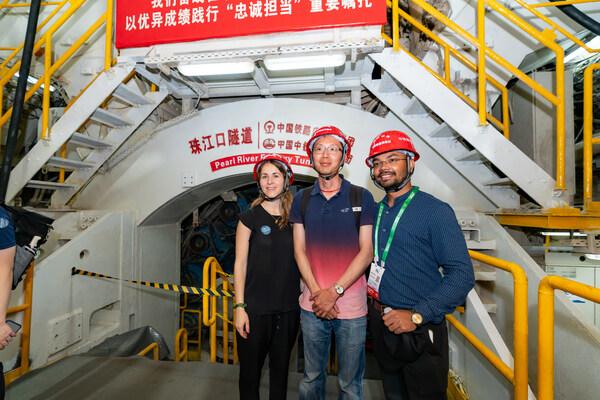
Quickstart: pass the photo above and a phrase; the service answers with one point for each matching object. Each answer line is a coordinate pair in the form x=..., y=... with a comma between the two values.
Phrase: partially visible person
x=332, y=223
x=267, y=282
x=415, y=236
x=7, y=257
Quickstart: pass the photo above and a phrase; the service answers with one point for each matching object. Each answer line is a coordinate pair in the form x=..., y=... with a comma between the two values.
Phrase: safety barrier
x=25, y=332
x=546, y=326
x=45, y=42
x=210, y=273
x=152, y=347
x=518, y=375
x=547, y=37
x=181, y=345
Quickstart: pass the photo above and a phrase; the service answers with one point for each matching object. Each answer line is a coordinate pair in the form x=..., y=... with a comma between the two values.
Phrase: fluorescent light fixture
x=567, y=234
x=229, y=67
x=31, y=80
x=286, y=63
x=581, y=53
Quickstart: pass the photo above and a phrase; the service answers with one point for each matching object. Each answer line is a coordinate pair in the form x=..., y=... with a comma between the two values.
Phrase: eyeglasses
x=327, y=149
x=390, y=161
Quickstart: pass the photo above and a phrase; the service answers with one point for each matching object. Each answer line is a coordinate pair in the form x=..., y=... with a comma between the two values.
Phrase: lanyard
x=386, y=250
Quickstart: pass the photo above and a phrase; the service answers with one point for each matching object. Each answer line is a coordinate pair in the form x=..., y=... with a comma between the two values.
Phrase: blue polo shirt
x=332, y=243
x=7, y=230
x=428, y=268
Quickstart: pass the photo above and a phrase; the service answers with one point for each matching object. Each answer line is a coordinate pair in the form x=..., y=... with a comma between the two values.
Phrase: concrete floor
x=84, y=377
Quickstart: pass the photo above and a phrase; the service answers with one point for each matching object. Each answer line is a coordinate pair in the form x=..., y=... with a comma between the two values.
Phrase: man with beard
x=333, y=223
x=415, y=236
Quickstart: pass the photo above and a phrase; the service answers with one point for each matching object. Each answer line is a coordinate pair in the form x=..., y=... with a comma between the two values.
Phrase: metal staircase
x=452, y=128
x=94, y=106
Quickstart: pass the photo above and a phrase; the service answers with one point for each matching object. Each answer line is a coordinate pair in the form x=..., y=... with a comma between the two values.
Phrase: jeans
x=350, y=345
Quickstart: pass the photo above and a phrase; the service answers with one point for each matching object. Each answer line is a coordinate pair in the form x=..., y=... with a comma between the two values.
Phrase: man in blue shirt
x=415, y=236
x=7, y=256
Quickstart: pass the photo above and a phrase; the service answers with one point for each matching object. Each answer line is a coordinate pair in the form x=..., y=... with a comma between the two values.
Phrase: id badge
x=374, y=280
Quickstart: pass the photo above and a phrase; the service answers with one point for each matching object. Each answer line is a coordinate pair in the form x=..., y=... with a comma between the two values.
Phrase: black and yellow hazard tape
x=158, y=285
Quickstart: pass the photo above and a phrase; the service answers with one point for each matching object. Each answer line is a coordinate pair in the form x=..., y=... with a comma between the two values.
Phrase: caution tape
x=169, y=287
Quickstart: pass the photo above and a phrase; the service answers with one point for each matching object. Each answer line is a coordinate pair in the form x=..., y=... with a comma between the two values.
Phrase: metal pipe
x=108, y=56
x=19, y=100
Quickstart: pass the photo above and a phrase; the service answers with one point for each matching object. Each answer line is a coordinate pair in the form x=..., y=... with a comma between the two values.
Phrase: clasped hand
x=324, y=303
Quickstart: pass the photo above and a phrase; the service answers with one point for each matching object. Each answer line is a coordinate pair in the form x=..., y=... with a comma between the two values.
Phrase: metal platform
x=84, y=377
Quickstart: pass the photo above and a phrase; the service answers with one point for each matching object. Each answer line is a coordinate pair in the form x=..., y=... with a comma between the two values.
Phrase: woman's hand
x=242, y=322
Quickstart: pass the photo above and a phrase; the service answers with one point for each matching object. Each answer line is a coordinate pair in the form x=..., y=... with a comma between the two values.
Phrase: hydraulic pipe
x=19, y=100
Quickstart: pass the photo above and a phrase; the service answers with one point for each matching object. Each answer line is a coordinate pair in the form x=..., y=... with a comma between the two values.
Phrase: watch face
x=417, y=318
x=339, y=290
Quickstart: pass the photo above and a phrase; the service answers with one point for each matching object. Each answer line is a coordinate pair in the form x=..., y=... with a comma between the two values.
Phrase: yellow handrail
x=546, y=37
x=25, y=308
x=561, y=3
x=546, y=326
x=209, y=281
x=588, y=139
x=197, y=341
x=151, y=347
x=181, y=342
x=503, y=125
x=518, y=375
x=6, y=4
x=50, y=67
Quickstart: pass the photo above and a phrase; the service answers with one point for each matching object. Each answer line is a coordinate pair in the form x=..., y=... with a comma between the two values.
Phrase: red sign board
x=147, y=22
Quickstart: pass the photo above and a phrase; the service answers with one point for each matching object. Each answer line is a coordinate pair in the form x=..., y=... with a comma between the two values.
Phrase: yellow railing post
x=481, y=81
x=25, y=308
x=560, y=119
x=151, y=347
x=46, y=96
x=520, y=328
x=395, y=25
x=108, y=49
x=546, y=326
x=588, y=124
x=181, y=345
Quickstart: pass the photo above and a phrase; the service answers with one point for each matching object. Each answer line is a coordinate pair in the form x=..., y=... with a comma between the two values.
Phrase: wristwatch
x=339, y=289
x=416, y=318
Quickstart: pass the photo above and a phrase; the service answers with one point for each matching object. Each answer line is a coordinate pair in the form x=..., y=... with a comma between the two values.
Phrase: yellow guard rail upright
x=518, y=375
x=546, y=327
x=212, y=270
x=25, y=333
x=588, y=139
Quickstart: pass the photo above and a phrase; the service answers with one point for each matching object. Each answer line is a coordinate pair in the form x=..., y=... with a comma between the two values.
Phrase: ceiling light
x=580, y=53
x=231, y=67
x=286, y=63
x=568, y=234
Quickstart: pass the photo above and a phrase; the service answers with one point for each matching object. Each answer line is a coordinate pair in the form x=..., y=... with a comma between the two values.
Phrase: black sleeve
x=247, y=218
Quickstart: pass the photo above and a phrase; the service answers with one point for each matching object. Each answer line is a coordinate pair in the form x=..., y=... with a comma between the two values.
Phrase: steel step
x=110, y=119
x=443, y=131
x=86, y=141
x=48, y=185
x=68, y=163
x=129, y=96
x=500, y=182
x=471, y=156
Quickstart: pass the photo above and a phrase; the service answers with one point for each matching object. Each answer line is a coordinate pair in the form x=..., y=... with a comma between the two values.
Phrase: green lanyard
x=386, y=250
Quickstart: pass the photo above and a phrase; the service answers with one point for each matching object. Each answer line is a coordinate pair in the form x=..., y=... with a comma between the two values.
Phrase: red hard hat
x=391, y=141
x=276, y=158
x=332, y=131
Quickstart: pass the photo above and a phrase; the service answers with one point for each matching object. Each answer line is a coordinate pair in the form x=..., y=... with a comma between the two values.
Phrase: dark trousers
x=413, y=367
x=272, y=334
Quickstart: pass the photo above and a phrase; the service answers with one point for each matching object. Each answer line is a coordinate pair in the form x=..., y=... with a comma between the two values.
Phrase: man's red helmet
x=331, y=131
x=391, y=141
x=277, y=159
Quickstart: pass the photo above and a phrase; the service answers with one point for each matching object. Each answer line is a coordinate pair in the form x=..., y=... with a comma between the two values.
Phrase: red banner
x=147, y=22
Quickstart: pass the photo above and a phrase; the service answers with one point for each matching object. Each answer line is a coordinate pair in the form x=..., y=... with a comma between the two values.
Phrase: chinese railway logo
x=269, y=126
x=269, y=144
